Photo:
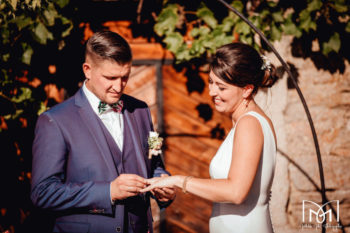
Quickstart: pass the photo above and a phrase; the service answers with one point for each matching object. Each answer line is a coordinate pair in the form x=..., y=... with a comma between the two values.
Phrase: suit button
x=118, y=229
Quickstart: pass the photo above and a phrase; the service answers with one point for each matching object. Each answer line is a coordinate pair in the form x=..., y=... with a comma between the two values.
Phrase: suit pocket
x=71, y=227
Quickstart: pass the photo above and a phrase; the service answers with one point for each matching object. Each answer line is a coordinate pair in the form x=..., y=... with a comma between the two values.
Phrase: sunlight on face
x=226, y=97
x=106, y=79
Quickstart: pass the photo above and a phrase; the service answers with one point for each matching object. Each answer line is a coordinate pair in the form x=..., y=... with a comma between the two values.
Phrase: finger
x=131, y=188
x=163, y=175
x=159, y=191
x=169, y=190
x=127, y=185
x=133, y=177
x=167, y=193
x=147, y=189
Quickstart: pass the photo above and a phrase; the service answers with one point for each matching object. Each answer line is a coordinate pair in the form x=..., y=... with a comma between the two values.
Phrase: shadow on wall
x=318, y=189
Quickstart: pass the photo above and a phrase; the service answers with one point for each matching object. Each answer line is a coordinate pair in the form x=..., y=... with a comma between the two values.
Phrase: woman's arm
x=247, y=147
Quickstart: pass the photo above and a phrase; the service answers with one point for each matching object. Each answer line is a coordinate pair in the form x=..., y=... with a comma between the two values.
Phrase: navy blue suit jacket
x=73, y=165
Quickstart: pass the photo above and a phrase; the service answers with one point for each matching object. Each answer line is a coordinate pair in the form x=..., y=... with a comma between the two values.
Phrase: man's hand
x=126, y=185
x=164, y=194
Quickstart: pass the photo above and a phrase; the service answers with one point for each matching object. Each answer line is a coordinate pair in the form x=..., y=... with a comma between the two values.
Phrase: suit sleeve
x=49, y=187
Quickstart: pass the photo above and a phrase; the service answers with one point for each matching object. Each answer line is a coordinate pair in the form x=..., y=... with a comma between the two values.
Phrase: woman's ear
x=247, y=91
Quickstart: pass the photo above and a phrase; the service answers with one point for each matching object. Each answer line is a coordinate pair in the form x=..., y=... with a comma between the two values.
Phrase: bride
x=243, y=168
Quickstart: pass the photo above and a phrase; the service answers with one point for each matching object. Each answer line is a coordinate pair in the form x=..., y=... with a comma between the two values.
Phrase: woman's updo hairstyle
x=240, y=64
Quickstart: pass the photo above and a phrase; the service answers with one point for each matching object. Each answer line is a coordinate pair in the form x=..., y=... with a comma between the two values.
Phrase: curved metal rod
x=285, y=66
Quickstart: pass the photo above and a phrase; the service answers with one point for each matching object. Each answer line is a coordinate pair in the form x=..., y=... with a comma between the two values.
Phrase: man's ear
x=248, y=90
x=87, y=70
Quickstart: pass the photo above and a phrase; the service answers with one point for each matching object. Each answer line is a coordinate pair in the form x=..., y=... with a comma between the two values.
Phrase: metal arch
x=285, y=66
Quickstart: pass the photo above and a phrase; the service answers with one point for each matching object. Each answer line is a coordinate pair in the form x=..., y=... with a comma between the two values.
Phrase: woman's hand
x=163, y=182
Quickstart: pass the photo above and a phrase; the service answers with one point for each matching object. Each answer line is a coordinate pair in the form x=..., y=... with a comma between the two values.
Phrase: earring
x=245, y=102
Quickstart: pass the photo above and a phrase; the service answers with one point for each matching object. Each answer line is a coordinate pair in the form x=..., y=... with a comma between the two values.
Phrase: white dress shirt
x=112, y=120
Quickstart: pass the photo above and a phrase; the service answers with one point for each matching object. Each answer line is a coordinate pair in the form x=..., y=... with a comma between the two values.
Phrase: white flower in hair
x=266, y=63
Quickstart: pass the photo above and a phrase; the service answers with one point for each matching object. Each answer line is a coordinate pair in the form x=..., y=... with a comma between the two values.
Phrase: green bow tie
x=116, y=107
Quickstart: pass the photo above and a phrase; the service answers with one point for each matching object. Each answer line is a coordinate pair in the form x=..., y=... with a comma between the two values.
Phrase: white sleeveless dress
x=253, y=214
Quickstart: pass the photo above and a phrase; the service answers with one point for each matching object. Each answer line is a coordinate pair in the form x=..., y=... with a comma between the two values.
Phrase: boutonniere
x=154, y=144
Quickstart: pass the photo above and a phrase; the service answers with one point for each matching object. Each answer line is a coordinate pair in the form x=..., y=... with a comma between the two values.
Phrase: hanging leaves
x=204, y=31
x=26, y=26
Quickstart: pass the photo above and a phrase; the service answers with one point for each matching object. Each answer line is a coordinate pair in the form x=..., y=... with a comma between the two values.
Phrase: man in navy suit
x=90, y=153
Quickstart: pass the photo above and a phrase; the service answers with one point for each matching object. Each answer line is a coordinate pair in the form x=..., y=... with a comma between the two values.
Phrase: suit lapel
x=141, y=163
x=91, y=121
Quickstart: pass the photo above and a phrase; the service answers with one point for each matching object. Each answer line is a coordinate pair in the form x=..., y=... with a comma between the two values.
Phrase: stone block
x=336, y=172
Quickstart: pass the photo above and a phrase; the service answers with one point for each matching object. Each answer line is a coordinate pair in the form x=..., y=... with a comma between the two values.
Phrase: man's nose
x=117, y=85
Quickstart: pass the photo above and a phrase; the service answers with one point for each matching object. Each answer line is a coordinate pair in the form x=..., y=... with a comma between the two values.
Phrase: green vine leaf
x=238, y=5
x=306, y=22
x=242, y=28
x=174, y=41
x=50, y=14
x=291, y=29
x=22, y=21
x=340, y=6
x=275, y=33
x=347, y=28
x=332, y=45
x=197, y=47
x=25, y=94
x=14, y=116
x=277, y=16
x=207, y=16
x=62, y=3
x=183, y=54
x=42, y=108
x=314, y=5
x=27, y=55
x=6, y=57
x=166, y=20
x=42, y=34
x=203, y=30
x=227, y=24
x=66, y=22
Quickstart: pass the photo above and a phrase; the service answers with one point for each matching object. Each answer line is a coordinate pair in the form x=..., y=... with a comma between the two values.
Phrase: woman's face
x=226, y=97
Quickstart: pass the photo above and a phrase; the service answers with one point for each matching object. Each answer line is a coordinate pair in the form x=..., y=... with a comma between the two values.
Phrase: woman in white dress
x=243, y=168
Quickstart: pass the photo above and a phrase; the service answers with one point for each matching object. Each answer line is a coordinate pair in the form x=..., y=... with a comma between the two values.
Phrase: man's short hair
x=107, y=45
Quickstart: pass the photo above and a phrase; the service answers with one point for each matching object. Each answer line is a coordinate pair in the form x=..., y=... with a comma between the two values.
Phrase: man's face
x=106, y=78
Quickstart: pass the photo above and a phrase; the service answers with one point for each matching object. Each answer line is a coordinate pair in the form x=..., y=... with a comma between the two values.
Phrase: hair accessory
x=266, y=63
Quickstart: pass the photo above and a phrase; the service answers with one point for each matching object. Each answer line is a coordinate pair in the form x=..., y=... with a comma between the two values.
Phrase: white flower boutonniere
x=155, y=144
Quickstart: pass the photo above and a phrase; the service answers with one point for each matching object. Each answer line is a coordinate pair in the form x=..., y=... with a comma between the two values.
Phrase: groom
x=90, y=153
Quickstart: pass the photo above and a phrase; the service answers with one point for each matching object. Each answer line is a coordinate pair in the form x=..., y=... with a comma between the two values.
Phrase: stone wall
x=297, y=175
